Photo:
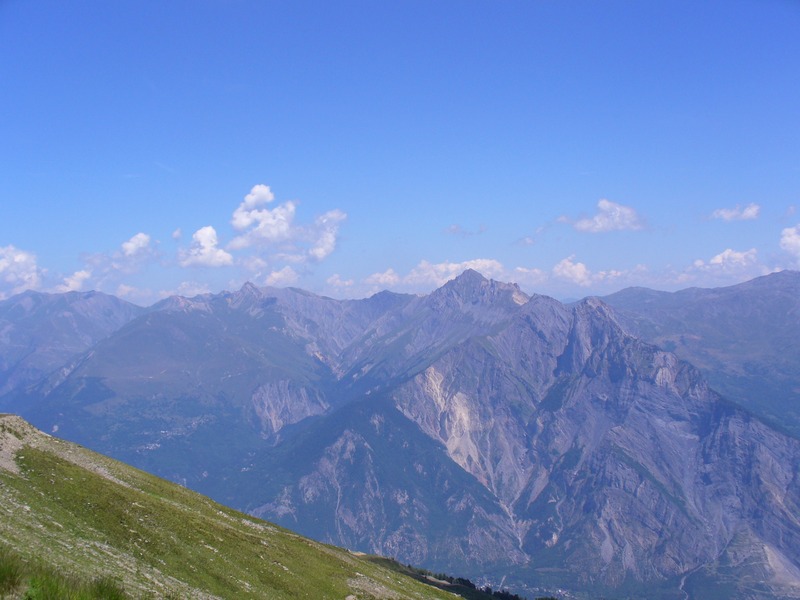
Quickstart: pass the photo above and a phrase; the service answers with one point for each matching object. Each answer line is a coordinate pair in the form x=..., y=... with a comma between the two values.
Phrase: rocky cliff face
x=475, y=430
x=610, y=457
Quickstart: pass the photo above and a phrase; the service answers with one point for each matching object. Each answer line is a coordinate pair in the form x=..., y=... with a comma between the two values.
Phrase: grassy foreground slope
x=96, y=519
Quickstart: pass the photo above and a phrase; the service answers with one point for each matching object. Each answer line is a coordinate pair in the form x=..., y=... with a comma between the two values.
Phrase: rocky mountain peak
x=250, y=289
x=472, y=288
x=249, y=297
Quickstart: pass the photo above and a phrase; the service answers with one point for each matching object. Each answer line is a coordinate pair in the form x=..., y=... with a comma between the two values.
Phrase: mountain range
x=640, y=445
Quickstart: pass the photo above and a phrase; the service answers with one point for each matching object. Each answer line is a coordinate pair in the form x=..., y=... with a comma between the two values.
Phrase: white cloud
x=729, y=259
x=574, y=272
x=336, y=280
x=790, y=241
x=204, y=251
x=610, y=217
x=560, y=279
x=133, y=293
x=75, y=282
x=326, y=228
x=731, y=264
x=124, y=291
x=105, y=269
x=176, y=235
x=737, y=213
x=259, y=194
x=187, y=289
x=726, y=268
x=18, y=271
x=138, y=244
x=253, y=264
x=283, y=277
x=261, y=225
x=274, y=233
x=525, y=276
x=438, y=274
x=386, y=279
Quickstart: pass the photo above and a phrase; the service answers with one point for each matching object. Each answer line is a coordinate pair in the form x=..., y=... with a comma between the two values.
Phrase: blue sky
x=150, y=148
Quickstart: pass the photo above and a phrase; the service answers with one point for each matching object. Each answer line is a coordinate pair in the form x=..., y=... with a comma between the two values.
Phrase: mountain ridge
x=736, y=335
x=558, y=446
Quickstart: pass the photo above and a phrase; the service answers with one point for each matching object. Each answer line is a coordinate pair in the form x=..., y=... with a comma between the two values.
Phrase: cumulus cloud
x=283, y=277
x=790, y=241
x=336, y=281
x=274, y=233
x=737, y=213
x=131, y=256
x=204, y=251
x=253, y=263
x=579, y=274
x=261, y=225
x=527, y=276
x=326, y=229
x=104, y=270
x=574, y=272
x=74, y=282
x=726, y=268
x=438, y=274
x=259, y=194
x=561, y=278
x=137, y=245
x=18, y=271
x=133, y=293
x=610, y=217
x=386, y=279
x=731, y=259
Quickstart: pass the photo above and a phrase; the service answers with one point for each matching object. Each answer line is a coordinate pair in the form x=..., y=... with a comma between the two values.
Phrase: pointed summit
x=248, y=297
x=466, y=284
x=472, y=288
x=250, y=288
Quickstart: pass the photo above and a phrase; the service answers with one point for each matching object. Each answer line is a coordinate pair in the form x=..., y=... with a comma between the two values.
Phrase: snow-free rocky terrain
x=474, y=430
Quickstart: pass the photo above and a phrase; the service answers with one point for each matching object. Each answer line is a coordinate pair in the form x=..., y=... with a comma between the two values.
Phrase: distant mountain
x=82, y=516
x=41, y=332
x=744, y=338
x=474, y=430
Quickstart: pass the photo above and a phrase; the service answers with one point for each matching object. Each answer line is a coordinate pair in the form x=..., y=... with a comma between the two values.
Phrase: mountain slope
x=93, y=516
x=473, y=430
x=615, y=461
x=41, y=332
x=744, y=338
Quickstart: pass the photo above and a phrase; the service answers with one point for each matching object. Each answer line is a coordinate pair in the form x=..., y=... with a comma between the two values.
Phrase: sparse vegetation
x=37, y=581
